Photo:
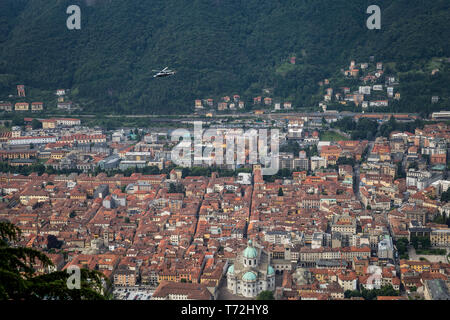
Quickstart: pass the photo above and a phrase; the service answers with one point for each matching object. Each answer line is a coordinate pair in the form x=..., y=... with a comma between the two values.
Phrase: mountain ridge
x=218, y=47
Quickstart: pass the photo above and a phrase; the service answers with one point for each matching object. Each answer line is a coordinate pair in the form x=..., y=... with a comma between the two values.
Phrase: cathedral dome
x=250, y=252
x=249, y=276
x=231, y=269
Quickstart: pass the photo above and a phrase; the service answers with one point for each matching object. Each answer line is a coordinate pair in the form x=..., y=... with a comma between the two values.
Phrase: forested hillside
x=218, y=47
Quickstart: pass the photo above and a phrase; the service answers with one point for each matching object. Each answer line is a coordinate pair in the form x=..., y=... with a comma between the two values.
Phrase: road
x=193, y=116
x=357, y=173
x=357, y=181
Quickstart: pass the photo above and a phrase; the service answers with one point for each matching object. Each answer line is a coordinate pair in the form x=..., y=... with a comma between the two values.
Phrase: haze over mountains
x=218, y=47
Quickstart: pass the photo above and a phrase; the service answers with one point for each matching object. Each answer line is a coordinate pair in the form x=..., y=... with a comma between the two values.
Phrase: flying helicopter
x=163, y=73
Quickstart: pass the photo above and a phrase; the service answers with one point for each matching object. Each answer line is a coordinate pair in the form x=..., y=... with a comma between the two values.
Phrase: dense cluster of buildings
x=235, y=102
x=19, y=105
x=375, y=87
x=328, y=229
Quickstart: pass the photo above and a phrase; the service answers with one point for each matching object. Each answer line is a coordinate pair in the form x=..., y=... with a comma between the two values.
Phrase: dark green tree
x=18, y=279
x=421, y=242
x=445, y=196
x=265, y=295
x=280, y=192
x=402, y=248
x=352, y=294
x=53, y=242
x=36, y=124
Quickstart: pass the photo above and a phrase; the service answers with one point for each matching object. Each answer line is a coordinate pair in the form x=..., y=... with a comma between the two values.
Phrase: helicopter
x=163, y=73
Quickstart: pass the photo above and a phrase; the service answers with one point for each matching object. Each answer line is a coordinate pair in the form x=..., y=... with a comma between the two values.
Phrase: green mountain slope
x=218, y=47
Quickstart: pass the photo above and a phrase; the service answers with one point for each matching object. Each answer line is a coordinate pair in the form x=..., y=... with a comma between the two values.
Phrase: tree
x=402, y=248
x=421, y=242
x=280, y=192
x=291, y=146
x=400, y=172
x=445, y=196
x=414, y=166
x=265, y=295
x=442, y=219
x=426, y=157
x=314, y=151
x=387, y=290
x=36, y=124
x=18, y=279
x=17, y=120
x=346, y=161
x=53, y=242
x=352, y=293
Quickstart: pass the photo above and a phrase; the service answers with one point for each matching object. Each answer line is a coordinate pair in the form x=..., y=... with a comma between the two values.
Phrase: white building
x=421, y=179
x=390, y=92
x=317, y=163
x=251, y=273
x=379, y=103
x=32, y=140
x=386, y=248
x=118, y=136
x=317, y=240
x=277, y=237
x=68, y=122
x=364, y=89
x=244, y=178
x=378, y=87
x=441, y=186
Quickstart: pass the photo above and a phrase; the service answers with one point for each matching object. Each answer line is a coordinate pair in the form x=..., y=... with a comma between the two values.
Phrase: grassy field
x=331, y=136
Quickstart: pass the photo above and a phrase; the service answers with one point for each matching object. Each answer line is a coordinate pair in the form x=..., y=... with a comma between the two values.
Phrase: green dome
x=250, y=252
x=249, y=276
x=231, y=269
x=270, y=270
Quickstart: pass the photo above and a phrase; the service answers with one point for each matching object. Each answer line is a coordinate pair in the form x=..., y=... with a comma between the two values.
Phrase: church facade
x=251, y=273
